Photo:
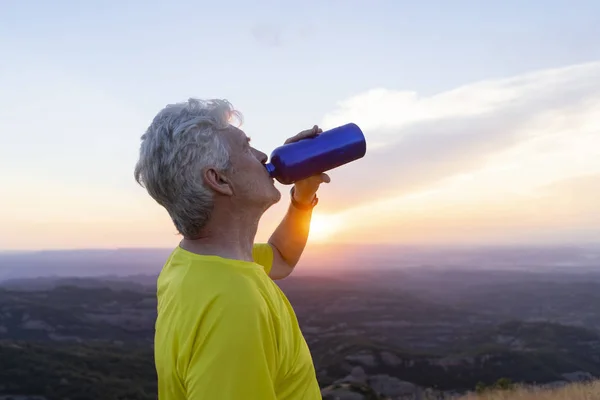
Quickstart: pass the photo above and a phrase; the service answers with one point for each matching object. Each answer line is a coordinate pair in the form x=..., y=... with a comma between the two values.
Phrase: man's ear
x=218, y=182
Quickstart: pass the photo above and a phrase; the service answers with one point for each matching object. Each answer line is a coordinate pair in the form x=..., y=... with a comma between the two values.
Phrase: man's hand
x=306, y=189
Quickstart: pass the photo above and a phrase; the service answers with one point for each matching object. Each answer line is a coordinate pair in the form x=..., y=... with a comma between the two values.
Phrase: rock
x=36, y=324
x=63, y=338
x=554, y=385
x=579, y=376
x=364, y=357
x=357, y=375
x=392, y=386
x=350, y=391
x=342, y=395
x=390, y=359
x=448, y=362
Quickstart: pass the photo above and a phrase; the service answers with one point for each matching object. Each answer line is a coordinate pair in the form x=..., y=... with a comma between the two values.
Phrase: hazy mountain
x=124, y=262
x=83, y=263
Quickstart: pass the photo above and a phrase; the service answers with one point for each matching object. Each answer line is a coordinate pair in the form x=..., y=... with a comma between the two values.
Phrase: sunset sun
x=322, y=227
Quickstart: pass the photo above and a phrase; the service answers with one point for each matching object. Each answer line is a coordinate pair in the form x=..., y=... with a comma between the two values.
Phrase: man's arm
x=288, y=241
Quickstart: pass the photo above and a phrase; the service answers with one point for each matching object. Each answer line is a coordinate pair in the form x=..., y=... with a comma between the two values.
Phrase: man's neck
x=226, y=236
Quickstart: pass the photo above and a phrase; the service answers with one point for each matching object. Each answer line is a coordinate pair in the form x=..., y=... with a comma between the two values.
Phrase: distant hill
x=340, y=257
x=127, y=282
x=82, y=263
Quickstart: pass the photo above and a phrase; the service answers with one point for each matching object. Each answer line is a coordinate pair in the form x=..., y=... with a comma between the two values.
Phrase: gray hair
x=182, y=140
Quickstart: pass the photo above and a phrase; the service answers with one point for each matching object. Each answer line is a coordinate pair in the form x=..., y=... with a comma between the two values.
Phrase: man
x=224, y=329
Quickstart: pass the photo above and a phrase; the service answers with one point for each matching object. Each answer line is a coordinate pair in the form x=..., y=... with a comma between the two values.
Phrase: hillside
x=385, y=334
x=103, y=371
x=70, y=313
x=393, y=333
x=90, y=371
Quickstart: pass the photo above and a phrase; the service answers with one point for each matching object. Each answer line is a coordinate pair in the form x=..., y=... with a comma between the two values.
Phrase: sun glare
x=322, y=227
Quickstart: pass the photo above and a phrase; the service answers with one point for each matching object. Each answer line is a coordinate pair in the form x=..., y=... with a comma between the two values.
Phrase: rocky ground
x=371, y=336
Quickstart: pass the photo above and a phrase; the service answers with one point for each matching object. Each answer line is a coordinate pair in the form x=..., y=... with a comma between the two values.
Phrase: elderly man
x=224, y=329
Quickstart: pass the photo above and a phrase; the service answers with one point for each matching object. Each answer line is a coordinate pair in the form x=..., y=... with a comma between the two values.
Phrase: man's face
x=249, y=178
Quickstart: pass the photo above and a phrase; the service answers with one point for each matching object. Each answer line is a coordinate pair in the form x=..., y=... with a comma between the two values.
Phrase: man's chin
x=277, y=196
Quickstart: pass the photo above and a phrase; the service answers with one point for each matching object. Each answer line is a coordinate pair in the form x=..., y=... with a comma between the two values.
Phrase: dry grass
x=582, y=391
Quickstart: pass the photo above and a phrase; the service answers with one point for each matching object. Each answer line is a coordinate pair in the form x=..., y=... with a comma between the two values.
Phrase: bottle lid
x=270, y=169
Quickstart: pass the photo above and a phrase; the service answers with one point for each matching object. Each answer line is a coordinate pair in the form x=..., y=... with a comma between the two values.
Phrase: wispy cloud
x=267, y=34
x=274, y=34
x=471, y=148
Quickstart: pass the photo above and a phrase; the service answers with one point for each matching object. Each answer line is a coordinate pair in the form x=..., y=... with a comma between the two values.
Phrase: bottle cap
x=270, y=169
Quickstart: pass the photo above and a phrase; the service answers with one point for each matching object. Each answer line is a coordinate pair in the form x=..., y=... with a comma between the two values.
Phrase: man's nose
x=262, y=157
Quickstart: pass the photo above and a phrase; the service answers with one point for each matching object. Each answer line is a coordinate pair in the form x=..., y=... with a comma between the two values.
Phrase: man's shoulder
x=182, y=262
x=212, y=277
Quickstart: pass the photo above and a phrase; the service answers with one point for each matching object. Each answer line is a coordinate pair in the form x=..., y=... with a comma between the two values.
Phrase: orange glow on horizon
x=323, y=227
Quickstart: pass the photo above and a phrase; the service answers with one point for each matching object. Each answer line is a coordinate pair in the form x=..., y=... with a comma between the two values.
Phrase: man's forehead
x=237, y=134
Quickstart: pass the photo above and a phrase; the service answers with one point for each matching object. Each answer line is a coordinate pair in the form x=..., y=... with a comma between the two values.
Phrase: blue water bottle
x=308, y=157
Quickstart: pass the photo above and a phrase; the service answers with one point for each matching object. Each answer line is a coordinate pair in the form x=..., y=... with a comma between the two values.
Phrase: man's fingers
x=309, y=133
x=321, y=178
x=315, y=131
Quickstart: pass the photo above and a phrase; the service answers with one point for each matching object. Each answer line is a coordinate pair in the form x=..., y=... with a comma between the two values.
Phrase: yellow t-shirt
x=225, y=331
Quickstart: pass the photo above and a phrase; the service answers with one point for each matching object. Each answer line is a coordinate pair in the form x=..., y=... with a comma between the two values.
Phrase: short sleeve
x=263, y=255
x=234, y=355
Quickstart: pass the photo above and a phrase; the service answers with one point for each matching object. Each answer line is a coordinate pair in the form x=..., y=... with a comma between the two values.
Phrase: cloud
x=510, y=160
x=267, y=34
x=382, y=108
x=416, y=143
x=273, y=34
x=561, y=212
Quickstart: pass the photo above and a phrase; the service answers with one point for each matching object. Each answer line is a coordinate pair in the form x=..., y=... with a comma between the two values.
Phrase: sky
x=482, y=119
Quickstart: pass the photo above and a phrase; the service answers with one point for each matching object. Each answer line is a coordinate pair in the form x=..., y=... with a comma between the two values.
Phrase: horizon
x=322, y=260
x=337, y=245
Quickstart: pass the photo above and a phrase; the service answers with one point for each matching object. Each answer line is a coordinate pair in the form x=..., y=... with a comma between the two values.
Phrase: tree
x=503, y=384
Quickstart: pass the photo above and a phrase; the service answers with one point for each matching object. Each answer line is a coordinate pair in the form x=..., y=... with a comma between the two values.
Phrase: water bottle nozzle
x=270, y=169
